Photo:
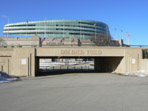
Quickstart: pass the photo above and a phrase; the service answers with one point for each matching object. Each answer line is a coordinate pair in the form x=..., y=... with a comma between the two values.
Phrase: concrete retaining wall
x=24, y=61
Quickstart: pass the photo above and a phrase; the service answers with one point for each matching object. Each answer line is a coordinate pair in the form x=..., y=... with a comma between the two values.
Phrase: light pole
x=80, y=29
x=4, y=16
x=45, y=24
x=122, y=33
x=126, y=37
x=63, y=28
x=115, y=33
x=95, y=31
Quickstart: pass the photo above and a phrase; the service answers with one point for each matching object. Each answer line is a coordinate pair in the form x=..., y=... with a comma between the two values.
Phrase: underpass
x=62, y=65
x=26, y=61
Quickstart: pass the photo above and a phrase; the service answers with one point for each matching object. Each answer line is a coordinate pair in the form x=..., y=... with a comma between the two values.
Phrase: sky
x=128, y=15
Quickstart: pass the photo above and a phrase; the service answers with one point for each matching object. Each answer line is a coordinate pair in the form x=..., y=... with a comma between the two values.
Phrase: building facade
x=82, y=29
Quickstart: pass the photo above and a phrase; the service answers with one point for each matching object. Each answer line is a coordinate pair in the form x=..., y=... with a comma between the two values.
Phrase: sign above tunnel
x=81, y=52
x=71, y=51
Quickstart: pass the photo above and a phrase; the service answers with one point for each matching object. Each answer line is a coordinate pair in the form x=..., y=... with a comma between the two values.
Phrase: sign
x=133, y=61
x=81, y=52
x=23, y=61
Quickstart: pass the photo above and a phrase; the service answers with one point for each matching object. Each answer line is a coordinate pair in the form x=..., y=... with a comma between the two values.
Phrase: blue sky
x=129, y=15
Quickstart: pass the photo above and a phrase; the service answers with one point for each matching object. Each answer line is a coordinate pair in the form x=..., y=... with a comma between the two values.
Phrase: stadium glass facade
x=82, y=29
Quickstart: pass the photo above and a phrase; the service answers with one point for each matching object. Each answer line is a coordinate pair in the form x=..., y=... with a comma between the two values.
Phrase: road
x=76, y=92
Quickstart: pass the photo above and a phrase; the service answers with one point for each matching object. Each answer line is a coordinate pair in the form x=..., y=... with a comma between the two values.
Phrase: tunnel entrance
x=107, y=64
x=63, y=65
x=59, y=65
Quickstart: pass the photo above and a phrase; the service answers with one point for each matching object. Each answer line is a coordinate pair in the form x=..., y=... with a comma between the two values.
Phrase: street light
x=122, y=33
x=126, y=37
x=115, y=33
x=4, y=16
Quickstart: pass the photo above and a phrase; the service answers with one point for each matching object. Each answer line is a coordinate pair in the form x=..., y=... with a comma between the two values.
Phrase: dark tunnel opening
x=107, y=64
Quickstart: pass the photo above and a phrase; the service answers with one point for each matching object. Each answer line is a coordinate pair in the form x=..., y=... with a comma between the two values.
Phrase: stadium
x=82, y=29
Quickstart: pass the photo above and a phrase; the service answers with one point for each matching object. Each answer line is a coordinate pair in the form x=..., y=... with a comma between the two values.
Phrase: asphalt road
x=76, y=92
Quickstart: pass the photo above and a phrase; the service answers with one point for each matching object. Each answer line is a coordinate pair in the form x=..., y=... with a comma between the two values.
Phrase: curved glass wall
x=82, y=29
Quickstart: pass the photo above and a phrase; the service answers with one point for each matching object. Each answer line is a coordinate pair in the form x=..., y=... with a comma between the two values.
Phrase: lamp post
x=80, y=29
x=126, y=37
x=63, y=28
x=45, y=24
x=4, y=16
x=115, y=33
x=95, y=31
x=122, y=33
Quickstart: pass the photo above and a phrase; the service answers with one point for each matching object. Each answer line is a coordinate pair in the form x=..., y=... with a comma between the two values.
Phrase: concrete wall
x=5, y=64
x=16, y=41
x=37, y=41
x=6, y=60
x=24, y=61
x=130, y=56
x=144, y=64
x=57, y=41
x=131, y=60
x=80, y=51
